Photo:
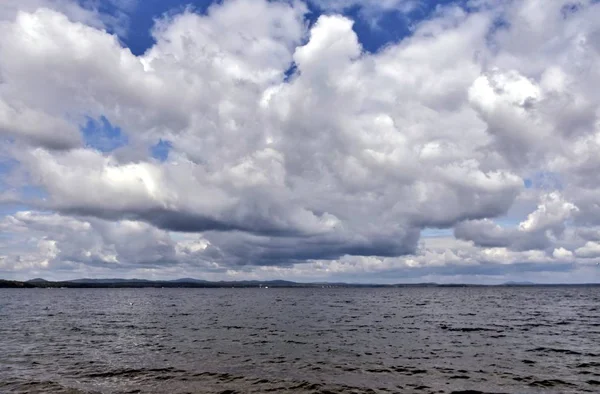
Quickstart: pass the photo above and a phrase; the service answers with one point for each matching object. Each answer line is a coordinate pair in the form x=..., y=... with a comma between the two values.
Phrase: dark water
x=413, y=340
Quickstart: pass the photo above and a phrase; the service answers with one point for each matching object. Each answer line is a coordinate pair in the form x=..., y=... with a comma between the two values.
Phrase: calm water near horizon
x=413, y=340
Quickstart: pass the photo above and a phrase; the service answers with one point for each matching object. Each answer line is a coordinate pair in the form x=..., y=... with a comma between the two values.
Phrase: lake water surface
x=413, y=340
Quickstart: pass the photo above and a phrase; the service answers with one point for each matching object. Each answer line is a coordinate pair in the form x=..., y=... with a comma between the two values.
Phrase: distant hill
x=106, y=281
x=188, y=280
x=199, y=283
x=525, y=283
x=11, y=284
x=177, y=283
x=266, y=282
x=37, y=280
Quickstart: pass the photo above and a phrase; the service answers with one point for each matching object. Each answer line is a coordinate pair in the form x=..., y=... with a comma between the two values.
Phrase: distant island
x=198, y=283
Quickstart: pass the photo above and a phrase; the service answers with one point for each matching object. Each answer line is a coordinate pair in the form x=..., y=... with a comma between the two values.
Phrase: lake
x=347, y=340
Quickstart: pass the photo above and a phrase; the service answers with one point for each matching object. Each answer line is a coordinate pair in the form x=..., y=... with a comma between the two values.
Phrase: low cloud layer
x=291, y=152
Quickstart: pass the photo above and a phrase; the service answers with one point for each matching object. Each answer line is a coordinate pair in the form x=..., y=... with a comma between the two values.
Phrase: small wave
x=562, y=351
x=467, y=329
x=471, y=392
x=379, y=370
x=131, y=372
x=409, y=370
x=588, y=365
x=37, y=387
x=550, y=383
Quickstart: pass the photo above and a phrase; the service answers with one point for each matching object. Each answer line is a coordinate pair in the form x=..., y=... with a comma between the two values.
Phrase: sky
x=373, y=141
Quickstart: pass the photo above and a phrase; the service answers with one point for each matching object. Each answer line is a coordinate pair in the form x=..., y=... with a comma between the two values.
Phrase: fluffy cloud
x=81, y=11
x=539, y=230
x=53, y=242
x=291, y=147
x=371, y=11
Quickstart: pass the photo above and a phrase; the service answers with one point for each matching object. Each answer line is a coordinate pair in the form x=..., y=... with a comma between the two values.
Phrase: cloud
x=290, y=145
x=62, y=242
x=538, y=231
x=590, y=249
x=37, y=128
x=59, y=246
x=370, y=11
x=340, y=5
x=87, y=12
x=550, y=215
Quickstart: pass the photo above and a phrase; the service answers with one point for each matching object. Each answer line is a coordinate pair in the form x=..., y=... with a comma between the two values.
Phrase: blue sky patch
x=141, y=20
x=160, y=150
x=102, y=135
x=387, y=27
x=7, y=165
x=544, y=180
x=32, y=192
x=508, y=221
x=437, y=232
